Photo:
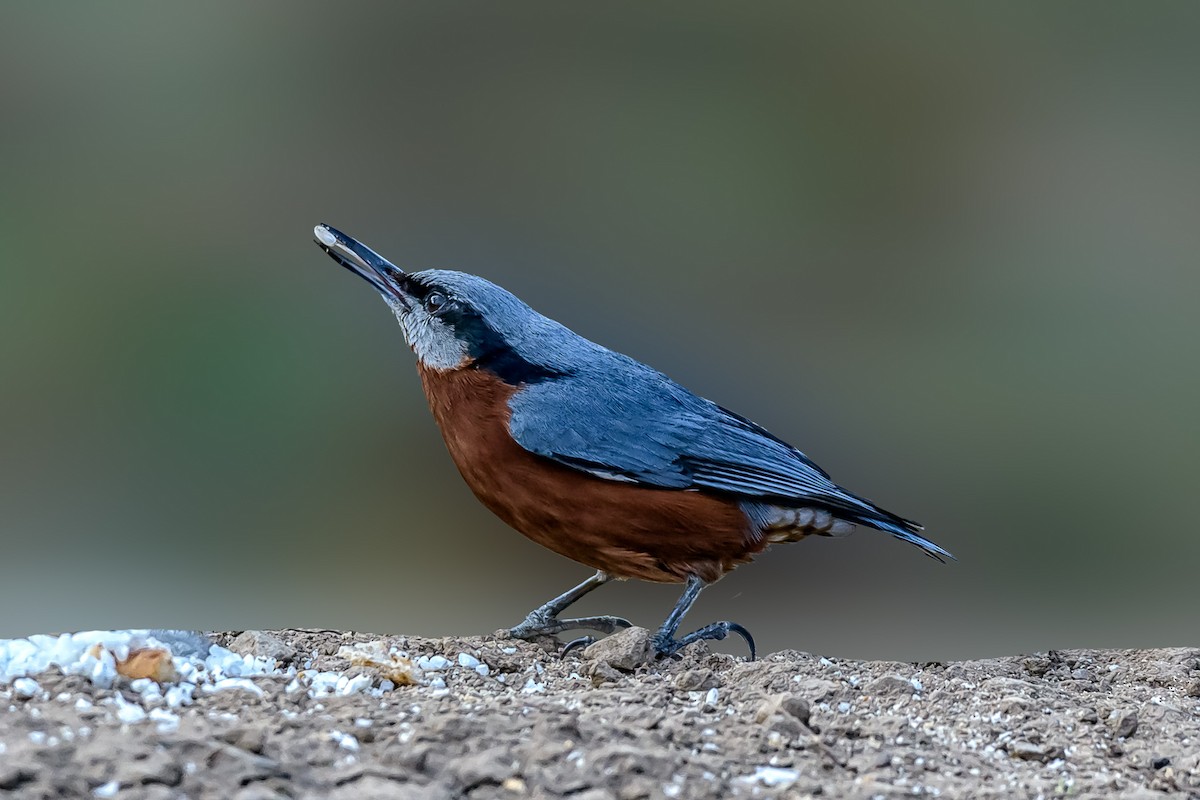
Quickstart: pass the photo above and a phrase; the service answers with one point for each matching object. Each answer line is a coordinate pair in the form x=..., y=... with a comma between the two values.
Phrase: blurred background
x=948, y=250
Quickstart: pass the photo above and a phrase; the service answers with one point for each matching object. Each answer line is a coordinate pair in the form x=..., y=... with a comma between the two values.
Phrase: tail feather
x=905, y=530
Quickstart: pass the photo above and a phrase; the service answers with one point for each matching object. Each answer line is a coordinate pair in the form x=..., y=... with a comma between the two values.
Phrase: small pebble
x=1127, y=725
x=129, y=713
x=433, y=663
x=344, y=740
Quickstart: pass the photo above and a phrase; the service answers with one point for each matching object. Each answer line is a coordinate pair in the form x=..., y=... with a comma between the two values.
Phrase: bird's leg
x=544, y=619
x=665, y=643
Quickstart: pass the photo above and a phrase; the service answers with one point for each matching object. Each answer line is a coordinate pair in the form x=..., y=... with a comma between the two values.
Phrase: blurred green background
x=949, y=250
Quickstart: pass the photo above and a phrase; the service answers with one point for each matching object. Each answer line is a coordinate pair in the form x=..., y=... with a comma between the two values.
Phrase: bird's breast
x=625, y=529
x=471, y=409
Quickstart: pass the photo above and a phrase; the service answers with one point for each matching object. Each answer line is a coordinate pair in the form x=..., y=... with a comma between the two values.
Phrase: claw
x=581, y=642
x=715, y=632
x=733, y=627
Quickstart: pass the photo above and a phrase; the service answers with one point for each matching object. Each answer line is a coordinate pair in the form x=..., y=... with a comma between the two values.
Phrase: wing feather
x=653, y=431
x=633, y=424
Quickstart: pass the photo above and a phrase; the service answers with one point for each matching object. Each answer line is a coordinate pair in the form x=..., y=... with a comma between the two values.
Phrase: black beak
x=364, y=262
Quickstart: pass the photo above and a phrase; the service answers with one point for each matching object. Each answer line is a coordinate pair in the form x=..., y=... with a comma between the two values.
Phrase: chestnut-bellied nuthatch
x=599, y=457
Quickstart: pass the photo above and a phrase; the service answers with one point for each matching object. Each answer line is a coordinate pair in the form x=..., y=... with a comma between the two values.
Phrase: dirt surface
x=603, y=723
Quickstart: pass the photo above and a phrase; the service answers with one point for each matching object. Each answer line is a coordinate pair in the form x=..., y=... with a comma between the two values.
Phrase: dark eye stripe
x=415, y=288
x=487, y=347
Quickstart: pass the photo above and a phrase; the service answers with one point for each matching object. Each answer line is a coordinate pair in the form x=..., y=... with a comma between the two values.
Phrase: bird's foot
x=539, y=623
x=666, y=645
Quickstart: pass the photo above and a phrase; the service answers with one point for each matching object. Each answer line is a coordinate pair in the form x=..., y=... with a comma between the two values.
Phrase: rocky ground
x=496, y=718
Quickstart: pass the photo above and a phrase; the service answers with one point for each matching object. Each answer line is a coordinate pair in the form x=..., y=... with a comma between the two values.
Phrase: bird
x=599, y=457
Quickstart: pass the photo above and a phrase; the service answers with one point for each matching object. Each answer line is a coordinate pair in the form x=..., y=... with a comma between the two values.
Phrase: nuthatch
x=599, y=457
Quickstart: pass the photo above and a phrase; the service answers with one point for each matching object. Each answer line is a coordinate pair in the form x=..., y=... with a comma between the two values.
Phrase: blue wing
x=634, y=424
x=650, y=430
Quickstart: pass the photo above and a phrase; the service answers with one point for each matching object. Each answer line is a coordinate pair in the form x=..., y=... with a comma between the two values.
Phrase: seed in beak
x=324, y=236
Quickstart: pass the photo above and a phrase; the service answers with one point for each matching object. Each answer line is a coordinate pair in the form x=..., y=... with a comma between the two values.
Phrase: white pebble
x=483, y=669
x=432, y=663
x=710, y=699
x=348, y=686
x=129, y=713
x=26, y=687
x=180, y=695
x=107, y=789
x=321, y=683
x=772, y=776
x=187, y=671
x=345, y=741
x=467, y=660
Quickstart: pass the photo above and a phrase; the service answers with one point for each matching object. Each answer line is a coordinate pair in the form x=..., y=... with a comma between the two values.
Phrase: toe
x=581, y=643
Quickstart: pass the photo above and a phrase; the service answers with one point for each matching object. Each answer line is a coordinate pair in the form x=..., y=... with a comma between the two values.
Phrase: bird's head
x=453, y=320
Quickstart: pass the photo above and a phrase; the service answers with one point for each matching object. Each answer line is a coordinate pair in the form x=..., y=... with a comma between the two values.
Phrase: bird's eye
x=435, y=301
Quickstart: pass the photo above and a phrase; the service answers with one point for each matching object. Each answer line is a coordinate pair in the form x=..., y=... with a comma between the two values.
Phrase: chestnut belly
x=627, y=530
x=623, y=529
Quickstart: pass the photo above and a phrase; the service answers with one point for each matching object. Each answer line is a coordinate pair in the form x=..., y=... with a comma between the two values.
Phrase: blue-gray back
x=618, y=418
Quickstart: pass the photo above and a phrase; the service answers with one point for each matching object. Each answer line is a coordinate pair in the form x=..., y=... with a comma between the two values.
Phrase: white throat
x=432, y=340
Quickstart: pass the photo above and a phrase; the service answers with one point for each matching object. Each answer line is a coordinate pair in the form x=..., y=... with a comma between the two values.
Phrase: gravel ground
x=326, y=714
